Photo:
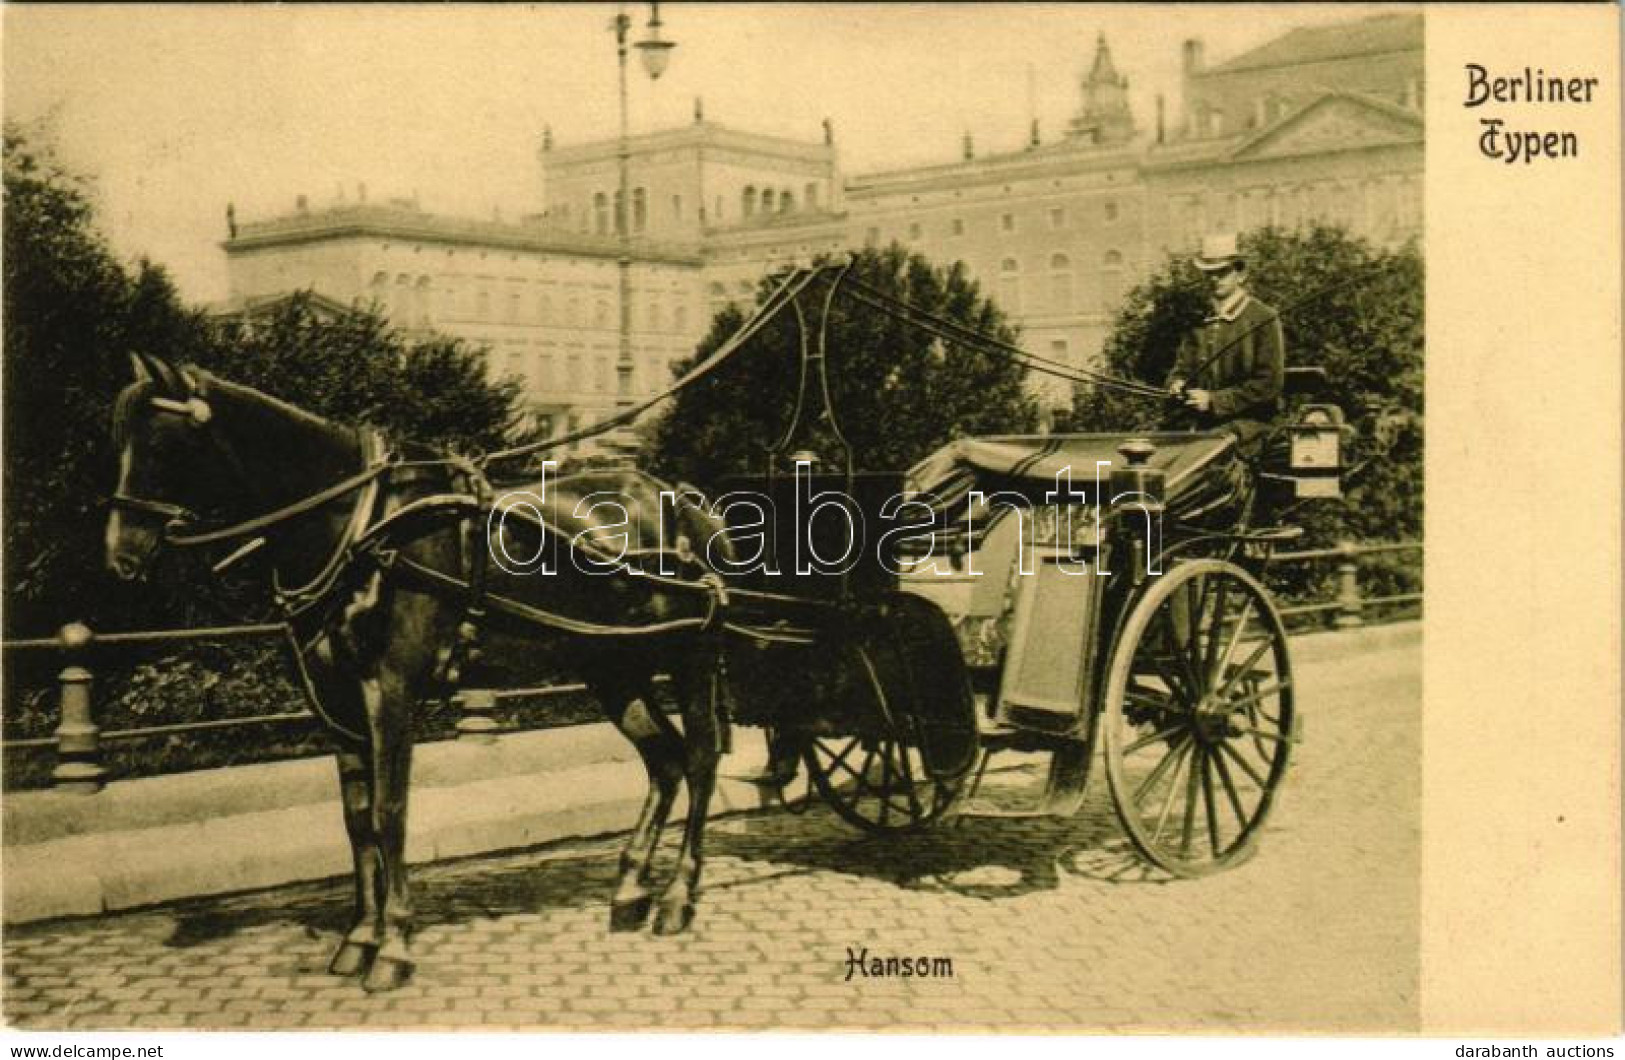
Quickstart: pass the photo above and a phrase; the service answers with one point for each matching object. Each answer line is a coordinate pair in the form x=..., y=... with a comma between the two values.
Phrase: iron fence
x=78, y=742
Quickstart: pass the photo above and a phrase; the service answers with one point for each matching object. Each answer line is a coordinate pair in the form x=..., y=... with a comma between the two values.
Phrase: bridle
x=177, y=516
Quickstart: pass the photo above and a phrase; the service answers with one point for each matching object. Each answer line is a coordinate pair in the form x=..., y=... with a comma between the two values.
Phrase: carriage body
x=1119, y=619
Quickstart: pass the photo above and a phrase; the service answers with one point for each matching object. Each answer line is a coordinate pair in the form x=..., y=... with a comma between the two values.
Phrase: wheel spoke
x=885, y=786
x=840, y=759
x=1244, y=669
x=1217, y=627
x=1253, y=697
x=1209, y=804
x=1173, y=789
x=1223, y=659
x=1230, y=790
x=1179, y=652
x=1176, y=682
x=1192, y=791
x=1150, y=782
x=1248, y=730
x=908, y=782
x=1146, y=741
x=1246, y=767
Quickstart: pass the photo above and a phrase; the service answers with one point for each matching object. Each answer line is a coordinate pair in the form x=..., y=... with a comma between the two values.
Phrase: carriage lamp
x=1136, y=476
x=1137, y=503
x=1316, y=455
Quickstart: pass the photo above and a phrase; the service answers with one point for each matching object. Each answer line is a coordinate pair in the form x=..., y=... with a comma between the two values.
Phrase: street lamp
x=656, y=54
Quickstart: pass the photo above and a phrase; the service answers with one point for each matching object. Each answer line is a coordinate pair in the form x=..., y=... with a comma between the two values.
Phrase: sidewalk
x=139, y=842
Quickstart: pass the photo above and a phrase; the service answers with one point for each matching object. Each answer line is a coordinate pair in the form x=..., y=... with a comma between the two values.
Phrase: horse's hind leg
x=387, y=706
x=701, y=726
x=661, y=749
x=361, y=941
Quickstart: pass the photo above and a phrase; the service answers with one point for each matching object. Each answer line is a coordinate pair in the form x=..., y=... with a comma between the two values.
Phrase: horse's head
x=167, y=464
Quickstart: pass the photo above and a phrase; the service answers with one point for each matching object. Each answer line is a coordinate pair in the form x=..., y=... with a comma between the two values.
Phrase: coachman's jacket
x=1245, y=379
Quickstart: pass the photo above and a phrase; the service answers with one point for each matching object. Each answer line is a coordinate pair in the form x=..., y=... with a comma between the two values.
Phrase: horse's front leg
x=361, y=941
x=702, y=732
x=661, y=749
x=388, y=705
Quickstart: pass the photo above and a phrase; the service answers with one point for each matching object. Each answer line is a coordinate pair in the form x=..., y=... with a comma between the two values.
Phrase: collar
x=1232, y=307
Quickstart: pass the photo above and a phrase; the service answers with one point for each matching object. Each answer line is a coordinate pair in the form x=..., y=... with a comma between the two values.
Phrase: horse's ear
x=191, y=378
x=139, y=366
x=166, y=377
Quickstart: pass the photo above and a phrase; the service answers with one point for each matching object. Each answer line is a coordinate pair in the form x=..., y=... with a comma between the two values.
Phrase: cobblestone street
x=1048, y=924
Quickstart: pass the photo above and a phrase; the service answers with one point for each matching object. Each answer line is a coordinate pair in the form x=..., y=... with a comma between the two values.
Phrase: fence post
x=475, y=707
x=78, y=739
x=1349, y=603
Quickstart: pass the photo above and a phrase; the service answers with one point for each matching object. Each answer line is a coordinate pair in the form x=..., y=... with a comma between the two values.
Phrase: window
x=620, y=214
x=600, y=214
x=600, y=313
x=654, y=316
x=600, y=373
x=957, y=226
x=747, y=201
x=872, y=236
x=544, y=309
x=679, y=318
x=1111, y=279
x=640, y=209
x=1111, y=209
x=809, y=197
x=572, y=372
x=482, y=304
x=1057, y=217
x=676, y=207
x=1060, y=283
x=1058, y=351
x=1007, y=222
x=1010, y=286
x=572, y=315
x=511, y=313
x=787, y=202
x=718, y=297
x=420, y=302
x=914, y=230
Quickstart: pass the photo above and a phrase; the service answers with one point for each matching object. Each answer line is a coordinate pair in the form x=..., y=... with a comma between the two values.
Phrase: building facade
x=1321, y=124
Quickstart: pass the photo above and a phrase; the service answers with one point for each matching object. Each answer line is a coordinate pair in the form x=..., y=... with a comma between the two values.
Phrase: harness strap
x=269, y=519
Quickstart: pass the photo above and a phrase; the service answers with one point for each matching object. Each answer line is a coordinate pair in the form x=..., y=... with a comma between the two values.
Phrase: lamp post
x=655, y=53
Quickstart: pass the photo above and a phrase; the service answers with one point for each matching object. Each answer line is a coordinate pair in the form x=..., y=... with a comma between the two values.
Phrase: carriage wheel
x=1198, y=716
x=879, y=783
x=907, y=760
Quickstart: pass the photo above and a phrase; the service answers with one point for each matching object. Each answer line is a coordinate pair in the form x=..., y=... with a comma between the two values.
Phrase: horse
x=386, y=573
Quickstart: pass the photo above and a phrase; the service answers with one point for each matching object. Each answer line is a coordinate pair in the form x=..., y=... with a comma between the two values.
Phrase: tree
x=898, y=392
x=73, y=311
x=1346, y=306
x=356, y=369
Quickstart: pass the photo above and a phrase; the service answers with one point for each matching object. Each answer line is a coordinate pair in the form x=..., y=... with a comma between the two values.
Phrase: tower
x=1104, y=117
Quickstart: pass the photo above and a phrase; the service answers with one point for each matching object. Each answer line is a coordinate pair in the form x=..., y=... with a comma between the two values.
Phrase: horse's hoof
x=629, y=916
x=674, y=920
x=386, y=973
x=352, y=958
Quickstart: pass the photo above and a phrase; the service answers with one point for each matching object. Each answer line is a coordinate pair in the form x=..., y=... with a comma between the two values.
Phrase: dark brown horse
x=374, y=576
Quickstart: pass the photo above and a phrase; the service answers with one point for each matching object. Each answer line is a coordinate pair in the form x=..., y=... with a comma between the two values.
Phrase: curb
x=218, y=831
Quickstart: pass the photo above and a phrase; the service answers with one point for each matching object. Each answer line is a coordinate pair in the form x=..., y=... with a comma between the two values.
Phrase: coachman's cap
x=1218, y=252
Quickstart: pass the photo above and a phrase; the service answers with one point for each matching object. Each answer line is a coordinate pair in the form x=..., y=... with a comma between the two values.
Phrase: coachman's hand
x=1200, y=400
